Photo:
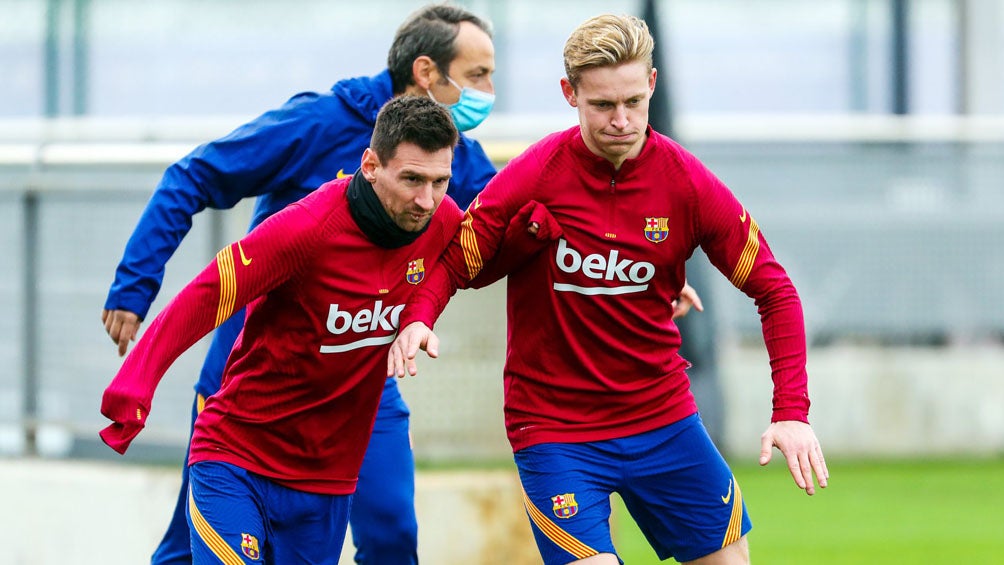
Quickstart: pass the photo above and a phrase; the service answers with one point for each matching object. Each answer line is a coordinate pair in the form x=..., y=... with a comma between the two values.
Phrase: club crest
x=656, y=229
x=565, y=505
x=249, y=545
x=416, y=271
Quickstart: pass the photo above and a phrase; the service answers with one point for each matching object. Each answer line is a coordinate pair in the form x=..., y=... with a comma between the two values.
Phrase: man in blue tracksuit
x=443, y=52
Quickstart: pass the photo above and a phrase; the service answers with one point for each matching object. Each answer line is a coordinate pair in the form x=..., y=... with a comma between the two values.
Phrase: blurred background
x=866, y=137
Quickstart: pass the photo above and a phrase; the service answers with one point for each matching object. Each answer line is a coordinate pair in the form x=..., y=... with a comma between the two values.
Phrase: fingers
x=819, y=466
x=805, y=468
x=396, y=359
x=801, y=450
x=393, y=357
x=401, y=357
x=432, y=345
x=795, y=469
x=533, y=228
x=429, y=342
x=122, y=327
x=697, y=301
x=111, y=324
x=766, y=445
x=126, y=334
x=680, y=308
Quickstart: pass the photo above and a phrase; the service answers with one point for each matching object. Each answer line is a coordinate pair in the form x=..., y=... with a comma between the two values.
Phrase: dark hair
x=430, y=31
x=412, y=119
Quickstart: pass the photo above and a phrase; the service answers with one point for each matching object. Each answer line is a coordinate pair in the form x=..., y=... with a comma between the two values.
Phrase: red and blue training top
x=302, y=385
x=592, y=349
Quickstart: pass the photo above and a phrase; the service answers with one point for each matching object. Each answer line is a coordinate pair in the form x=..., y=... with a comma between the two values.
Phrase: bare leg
x=736, y=553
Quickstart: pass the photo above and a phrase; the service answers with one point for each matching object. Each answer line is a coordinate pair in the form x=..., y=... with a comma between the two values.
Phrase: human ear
x=569, y=91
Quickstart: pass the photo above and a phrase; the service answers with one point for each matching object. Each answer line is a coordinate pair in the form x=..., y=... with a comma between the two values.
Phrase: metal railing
x=892, y=229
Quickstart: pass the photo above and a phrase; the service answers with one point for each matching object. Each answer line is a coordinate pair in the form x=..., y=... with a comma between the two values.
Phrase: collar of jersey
x=372, y=219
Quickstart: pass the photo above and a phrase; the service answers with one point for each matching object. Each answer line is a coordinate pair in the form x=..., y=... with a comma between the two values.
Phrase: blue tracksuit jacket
x=278, y=157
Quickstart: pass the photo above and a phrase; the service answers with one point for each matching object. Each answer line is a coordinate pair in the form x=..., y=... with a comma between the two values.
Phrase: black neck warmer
x=371, y=217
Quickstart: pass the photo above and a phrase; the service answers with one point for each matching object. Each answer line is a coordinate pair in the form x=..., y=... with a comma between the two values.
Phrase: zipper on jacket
x=611, y=208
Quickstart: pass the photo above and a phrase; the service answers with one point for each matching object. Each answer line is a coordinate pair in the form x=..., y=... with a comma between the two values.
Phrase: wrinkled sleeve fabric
x=733, y=242
x=249, y=161
x=241, y=272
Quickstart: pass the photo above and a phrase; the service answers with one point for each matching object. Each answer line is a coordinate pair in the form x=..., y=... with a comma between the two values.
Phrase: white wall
x=105, y=513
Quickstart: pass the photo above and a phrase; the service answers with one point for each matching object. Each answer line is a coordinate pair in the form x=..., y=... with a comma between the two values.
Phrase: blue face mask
x=471, y=109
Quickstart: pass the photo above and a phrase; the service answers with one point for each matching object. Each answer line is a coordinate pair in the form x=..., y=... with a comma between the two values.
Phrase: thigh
x=682, y=493
x=224, y=515
x=305, y=527
x=567, y=491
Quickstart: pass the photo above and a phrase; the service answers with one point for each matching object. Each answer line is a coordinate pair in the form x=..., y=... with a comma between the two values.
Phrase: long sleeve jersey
x=592, y=350
x=279, y=157
x=301, y=388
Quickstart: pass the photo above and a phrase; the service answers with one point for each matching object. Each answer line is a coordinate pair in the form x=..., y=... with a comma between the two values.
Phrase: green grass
x=872, y=512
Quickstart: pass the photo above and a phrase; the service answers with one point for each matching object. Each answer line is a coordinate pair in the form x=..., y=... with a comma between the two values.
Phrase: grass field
x=872, y=513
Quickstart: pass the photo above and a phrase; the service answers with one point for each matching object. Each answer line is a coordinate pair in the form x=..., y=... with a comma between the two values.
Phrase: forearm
x=783, y=327
x=165, y=221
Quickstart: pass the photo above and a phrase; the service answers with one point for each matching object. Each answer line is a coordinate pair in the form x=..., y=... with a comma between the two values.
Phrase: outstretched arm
x=247, y=162
x=241, y=272
x=734, y=243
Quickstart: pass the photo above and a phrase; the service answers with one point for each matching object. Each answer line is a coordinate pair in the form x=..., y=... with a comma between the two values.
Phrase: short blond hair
x=607, y=40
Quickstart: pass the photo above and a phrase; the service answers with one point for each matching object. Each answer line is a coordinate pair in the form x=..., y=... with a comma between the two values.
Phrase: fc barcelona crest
x=249, y=545
x=656, y=229
x=416, y=271
x=565, y=505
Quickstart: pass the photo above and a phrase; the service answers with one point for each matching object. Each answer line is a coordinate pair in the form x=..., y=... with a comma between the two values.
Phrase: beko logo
x=598, y=267
x=367, y=320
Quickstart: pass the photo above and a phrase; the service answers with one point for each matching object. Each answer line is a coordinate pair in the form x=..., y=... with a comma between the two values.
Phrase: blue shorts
x=238, y=517
x=673, y=481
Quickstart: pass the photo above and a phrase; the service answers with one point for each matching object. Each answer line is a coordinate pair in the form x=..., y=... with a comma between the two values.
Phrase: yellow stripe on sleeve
x=560, y=537
x=469, y=242
x=735, y=529
x=748, y=257
x=228, y=285
x=210, y=537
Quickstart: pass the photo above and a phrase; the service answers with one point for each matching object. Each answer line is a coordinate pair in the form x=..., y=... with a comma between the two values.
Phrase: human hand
x=401, y=356
x=798, y=443
x=533, y=220
x=688, y=299
x=122, y=326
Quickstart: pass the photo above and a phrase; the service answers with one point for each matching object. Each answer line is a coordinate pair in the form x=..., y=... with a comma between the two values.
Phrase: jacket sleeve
x=249, y=161
x=733, y=242
x=243, y=271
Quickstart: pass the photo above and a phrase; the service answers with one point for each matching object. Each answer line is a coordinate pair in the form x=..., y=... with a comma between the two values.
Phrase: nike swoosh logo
x=340, y=174
x=728, y=497
x=742, y=219
x=244, y=258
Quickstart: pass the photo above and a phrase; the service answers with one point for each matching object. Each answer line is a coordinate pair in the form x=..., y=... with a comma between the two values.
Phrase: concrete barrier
x=66, y=511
